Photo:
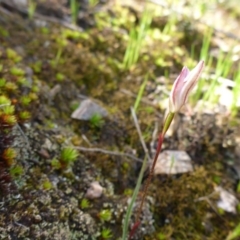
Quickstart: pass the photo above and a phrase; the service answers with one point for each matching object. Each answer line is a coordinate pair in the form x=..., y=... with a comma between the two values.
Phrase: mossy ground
x=61, y=66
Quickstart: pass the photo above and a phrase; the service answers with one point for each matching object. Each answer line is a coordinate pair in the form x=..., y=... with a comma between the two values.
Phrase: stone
x=87, y=109
x=173, y=162
x=95, y=190
x=227, y=201
x=22, y=4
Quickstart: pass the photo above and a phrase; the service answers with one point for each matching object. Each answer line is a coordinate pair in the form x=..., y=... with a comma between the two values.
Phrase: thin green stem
x=140, y=93
x=167, y=123
x=133, y=199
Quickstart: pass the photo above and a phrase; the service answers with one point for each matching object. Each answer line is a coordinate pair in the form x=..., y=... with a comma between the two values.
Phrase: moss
x=68, y=155
x=9, y=155
x=37, y=66
x=24, y=116
x=60, y=77
x=84, y=203
x=17, y=71
x=2, y=82
x=47, y=185
x=96, y=121
x=11, y=54
x=55, y=163
x=180, y=196
x=83, y=64
x=16, y=171
x=10, y=87
x=8, y=109
x=106, y=233
x=25, y=100
x=105, y=215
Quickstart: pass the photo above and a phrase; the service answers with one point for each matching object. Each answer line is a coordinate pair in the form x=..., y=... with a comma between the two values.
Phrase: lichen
x=41, y=81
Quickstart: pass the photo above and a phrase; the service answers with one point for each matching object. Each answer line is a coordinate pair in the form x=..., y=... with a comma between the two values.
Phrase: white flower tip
x=183, y=86
x=201, y=65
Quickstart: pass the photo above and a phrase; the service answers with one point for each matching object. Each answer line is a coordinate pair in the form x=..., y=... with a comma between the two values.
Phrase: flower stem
x=166, y=125
x=134, y=196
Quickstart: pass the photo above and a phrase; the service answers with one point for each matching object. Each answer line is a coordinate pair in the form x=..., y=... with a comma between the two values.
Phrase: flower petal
x=183, y=85
x=191, y=80
x=176, y=89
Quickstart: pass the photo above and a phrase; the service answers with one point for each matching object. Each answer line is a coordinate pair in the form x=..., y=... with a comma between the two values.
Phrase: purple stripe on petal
x=178, y=83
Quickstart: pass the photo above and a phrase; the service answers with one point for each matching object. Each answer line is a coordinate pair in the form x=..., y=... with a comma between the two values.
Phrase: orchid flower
x=183, y=85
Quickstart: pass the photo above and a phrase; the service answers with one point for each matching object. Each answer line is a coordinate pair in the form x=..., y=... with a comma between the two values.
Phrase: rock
x=94, y=191
x=22, y=4
x=227, y=201
x=87, y=109
x=173, y=162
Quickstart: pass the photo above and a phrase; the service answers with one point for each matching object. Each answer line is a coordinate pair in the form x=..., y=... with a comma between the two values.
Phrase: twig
x=140, y=134
x=86, y=140
x=24, y=136
x=207, y=199
x=108, y=152
x=154, y=137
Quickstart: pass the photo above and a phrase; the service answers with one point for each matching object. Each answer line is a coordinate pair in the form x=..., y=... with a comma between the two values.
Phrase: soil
x=41, y=196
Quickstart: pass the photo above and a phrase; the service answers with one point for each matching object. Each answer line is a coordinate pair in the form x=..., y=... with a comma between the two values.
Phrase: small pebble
x=94, y=191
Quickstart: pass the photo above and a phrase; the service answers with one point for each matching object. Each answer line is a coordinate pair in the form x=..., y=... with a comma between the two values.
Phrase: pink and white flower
x=183, y=85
